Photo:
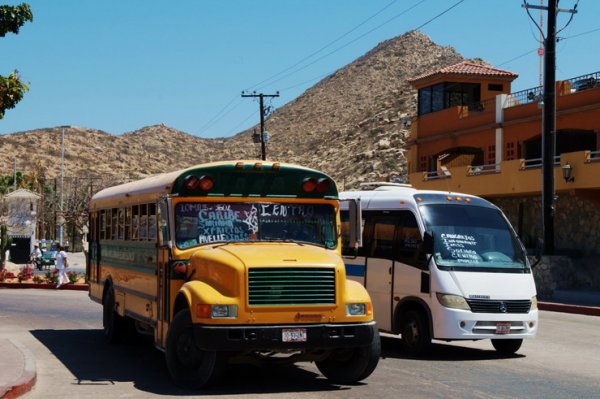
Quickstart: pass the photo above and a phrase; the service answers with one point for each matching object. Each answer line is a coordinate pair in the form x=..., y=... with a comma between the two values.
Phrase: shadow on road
x=391, y=347
x=94, y=362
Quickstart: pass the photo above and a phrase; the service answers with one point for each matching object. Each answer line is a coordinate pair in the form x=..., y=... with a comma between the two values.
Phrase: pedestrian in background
x=62, y=262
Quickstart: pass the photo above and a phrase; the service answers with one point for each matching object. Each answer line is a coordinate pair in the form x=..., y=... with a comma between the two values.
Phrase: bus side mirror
x=356, y=226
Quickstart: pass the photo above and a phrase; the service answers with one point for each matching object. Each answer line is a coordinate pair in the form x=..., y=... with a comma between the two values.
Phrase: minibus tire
x=416, y=338
x=351, y=365
x=112, y=323
x=190, y=367
x=507, y=346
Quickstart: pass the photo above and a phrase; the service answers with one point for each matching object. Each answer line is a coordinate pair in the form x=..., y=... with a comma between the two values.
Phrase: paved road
x=62, y=329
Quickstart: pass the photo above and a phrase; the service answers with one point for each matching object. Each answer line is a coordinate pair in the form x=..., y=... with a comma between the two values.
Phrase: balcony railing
x=443, y=173
x=592, y=156
x=475, y=170
x=536, y=163
x=584, y=82
x=535, y=94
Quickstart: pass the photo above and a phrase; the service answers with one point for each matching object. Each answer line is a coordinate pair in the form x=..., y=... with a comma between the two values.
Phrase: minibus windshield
x=472, y=237
x=218, y=222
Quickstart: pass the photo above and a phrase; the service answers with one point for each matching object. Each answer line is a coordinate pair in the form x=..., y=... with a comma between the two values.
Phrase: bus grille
x=495, y=306
x=291, y=286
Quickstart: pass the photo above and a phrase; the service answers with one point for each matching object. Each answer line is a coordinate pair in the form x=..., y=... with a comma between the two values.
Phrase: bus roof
x=227, y=178
x=391, y=197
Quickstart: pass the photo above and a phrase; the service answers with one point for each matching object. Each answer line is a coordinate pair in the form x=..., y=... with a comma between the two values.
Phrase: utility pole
x=261, y=97
x=549, y=123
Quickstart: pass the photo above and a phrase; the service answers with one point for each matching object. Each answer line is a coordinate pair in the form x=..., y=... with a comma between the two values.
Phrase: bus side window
x=115, y=224
x=135, y=229
x=127, y=235
x=408, y=238
x=103, y=234
x=143, y=222
x=151, y=222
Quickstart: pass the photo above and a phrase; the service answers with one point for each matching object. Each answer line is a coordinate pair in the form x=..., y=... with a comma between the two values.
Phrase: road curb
x=566, y=308
x=44, y=286
x=28, y=376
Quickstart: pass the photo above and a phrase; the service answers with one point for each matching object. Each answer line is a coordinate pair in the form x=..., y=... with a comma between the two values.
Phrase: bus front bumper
x=305, y=336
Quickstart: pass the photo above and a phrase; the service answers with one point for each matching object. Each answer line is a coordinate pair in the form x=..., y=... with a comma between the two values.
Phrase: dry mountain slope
x=350, y=125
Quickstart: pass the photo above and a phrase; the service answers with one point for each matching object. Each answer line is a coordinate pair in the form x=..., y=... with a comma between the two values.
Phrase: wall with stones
x=576, y=223
x=576, y=265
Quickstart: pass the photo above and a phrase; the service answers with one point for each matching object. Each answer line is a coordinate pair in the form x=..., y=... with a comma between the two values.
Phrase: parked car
x=47, y=260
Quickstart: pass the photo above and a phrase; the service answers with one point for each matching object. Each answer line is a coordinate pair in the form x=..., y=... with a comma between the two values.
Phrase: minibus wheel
x=190, y=366
x=507, y=346
x=350, y=365
x=416, y=338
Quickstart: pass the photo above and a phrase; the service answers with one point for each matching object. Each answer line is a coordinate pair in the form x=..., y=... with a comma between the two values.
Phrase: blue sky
x=118, y=66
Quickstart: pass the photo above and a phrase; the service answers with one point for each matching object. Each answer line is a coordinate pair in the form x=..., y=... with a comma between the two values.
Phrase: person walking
x=62, y=262
x=35, y=256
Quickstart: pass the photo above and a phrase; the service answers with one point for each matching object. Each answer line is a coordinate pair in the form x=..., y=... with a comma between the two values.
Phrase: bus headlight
x=216, y=311
x=534, y=303
x=453, y=301
x=220, y=311
x=356, y=309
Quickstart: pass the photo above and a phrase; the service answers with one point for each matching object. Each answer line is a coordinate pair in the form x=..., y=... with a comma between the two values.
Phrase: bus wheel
x=416, y=338
x=112, y=322
x=347, y=366
x=190, y=366
x=507, y=346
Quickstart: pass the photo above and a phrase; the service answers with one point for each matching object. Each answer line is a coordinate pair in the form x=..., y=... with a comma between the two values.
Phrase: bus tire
x=416, y=337
x=112, y=323
x=190, y=367
x=351, y=365
x=507, y=346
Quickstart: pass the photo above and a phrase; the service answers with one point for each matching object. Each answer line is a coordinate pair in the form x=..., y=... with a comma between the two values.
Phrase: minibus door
x=380, y=267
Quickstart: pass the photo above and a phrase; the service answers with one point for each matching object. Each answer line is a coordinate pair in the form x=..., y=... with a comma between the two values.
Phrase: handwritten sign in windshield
x=202, y=223
x=461, y=247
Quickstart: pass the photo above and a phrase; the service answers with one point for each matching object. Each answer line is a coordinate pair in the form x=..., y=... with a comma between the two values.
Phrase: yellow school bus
x=231, y=262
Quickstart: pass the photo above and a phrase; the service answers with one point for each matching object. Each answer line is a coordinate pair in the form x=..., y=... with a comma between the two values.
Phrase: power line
x=218, y=114
x=439, y=15
x=325, y=46
x=349, y=43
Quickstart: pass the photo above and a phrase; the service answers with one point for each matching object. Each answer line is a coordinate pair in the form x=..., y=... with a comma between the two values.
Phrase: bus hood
x=479, y=285
x=282, y=254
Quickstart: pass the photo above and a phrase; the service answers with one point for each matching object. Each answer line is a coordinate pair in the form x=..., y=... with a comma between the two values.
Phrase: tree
x=12, y=88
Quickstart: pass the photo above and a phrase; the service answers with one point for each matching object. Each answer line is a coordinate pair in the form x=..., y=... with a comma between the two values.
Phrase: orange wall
x=443, y=130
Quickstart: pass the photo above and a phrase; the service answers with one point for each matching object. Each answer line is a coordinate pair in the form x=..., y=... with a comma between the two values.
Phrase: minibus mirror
x=539, y=250
x=428, y=242
x=355, y=219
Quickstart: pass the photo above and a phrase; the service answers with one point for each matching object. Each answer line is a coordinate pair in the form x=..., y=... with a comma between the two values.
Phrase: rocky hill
x=350, y=124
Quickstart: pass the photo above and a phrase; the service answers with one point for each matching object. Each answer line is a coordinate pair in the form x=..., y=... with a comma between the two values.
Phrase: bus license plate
x=293, y=335
x=502, y=328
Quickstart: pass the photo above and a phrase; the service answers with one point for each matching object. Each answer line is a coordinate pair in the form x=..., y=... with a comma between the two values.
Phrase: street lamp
x=62, y=184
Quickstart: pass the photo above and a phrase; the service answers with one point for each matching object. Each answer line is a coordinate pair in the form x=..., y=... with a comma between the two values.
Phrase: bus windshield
x=219, y=222
x=472, y=237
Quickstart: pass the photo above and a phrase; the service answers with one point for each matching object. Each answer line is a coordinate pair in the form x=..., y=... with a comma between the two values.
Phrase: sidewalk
x=17, y=369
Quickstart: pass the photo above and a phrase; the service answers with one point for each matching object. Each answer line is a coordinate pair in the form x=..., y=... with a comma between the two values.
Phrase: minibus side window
x=382, y=246
x=408, y=238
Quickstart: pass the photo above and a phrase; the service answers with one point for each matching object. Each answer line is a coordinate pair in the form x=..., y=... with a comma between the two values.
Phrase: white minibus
x=441, y=265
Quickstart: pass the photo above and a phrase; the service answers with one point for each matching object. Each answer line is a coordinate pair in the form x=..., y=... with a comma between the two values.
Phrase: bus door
x=163, y=275
x=93, y=270
x=379, y=249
